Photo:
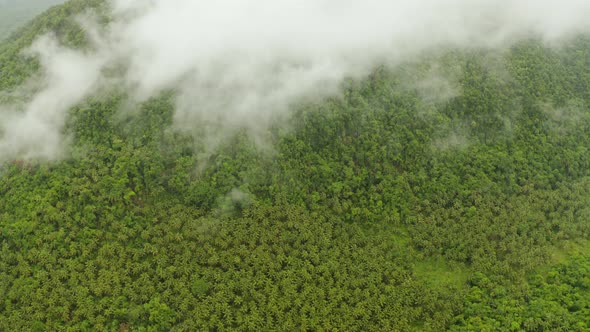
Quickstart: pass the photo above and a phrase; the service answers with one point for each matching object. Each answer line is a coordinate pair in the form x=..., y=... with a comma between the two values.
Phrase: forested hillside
x=449, y=193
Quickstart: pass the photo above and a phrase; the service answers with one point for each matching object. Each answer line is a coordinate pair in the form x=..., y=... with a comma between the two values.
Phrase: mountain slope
x=450, y=193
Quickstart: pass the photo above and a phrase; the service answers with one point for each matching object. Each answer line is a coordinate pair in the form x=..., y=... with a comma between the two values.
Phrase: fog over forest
x=295, y=165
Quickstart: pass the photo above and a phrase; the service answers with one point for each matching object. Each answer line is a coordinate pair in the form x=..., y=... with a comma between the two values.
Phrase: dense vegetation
x=384, y=209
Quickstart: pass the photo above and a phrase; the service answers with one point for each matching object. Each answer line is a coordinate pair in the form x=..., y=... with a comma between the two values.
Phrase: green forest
x=378, y=210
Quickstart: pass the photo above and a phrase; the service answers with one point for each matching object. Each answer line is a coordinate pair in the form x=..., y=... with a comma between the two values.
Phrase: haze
x=236, y=63
x=16, y=13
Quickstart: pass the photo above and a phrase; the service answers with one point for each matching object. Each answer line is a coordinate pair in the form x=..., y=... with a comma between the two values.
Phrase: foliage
x=378, y=210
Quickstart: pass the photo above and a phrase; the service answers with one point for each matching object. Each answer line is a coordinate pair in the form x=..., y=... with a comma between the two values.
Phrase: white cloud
x=241, y=61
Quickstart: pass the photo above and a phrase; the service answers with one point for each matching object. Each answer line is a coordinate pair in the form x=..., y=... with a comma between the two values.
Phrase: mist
x=237, y=64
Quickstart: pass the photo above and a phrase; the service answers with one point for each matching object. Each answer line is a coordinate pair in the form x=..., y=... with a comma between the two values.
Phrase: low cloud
x=236, y=64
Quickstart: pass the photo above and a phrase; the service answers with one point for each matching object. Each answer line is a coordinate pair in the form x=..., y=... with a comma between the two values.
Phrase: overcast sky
x=15, y=13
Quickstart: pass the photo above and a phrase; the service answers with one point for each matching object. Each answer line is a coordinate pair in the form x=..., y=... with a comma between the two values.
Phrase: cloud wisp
x=237, y=63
